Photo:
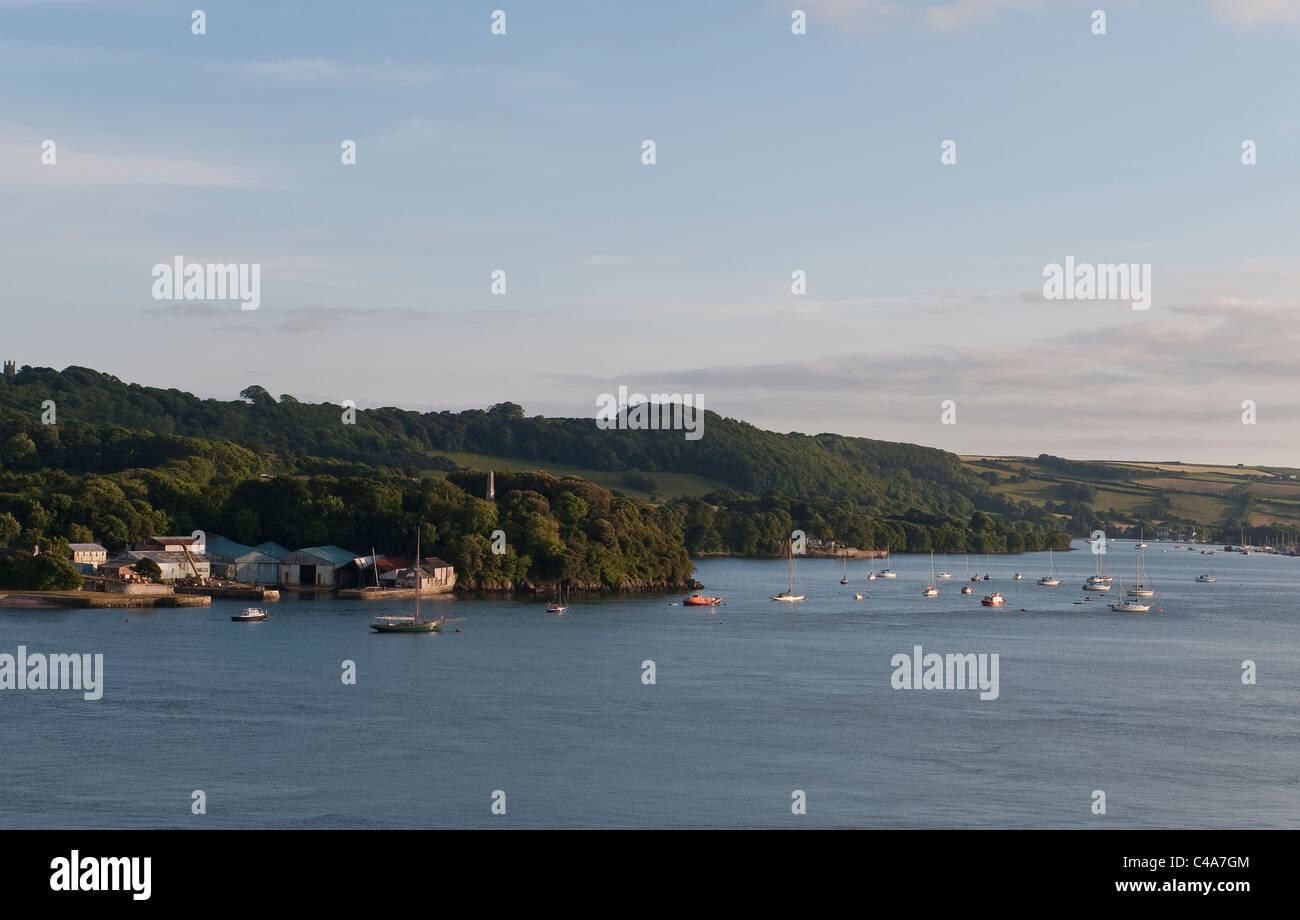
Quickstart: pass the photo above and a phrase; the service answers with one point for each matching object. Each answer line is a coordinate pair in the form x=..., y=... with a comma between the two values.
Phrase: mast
x=789, y=568
x=419, y=580
x=375, y=560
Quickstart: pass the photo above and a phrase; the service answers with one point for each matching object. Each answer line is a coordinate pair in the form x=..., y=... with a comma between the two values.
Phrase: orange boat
x=698, y=600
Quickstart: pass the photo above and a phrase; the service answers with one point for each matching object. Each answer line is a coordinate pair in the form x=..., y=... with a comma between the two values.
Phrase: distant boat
x=698, y=600
x=558, y=605
x=1140, y=587
x=945, y=574
x=251, y=615
x=872, y=576
x=788, y=595
x=993, y=600
x=857, y=595
x=930, y=589
x=1017, y=576
x=1130, y=607
x=411, y=624
x=844, y=579
x=967, y=589
x=888, y=573
x=1099, y=582
x=1208, y=575
x=1140, y=545
x=1050, y=580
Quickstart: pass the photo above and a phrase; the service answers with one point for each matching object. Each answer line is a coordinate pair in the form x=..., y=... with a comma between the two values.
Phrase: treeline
x=750, y=525
x=565, y=530
x=882, y=477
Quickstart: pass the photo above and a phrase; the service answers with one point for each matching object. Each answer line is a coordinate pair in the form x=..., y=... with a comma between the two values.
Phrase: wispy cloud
x=306, y=71
x=1257, y=12
x=94, y=162
x=954, y=15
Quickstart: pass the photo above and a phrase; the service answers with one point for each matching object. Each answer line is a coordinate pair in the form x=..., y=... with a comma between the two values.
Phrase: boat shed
x=315, y=566
x=250, y=565
x=175, y=566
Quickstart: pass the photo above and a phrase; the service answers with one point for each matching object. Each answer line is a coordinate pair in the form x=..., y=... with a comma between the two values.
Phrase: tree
x=149, y=569
x=9, y=529
x=256, y=394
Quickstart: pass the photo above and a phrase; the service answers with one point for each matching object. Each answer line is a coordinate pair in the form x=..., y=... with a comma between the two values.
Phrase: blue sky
x=775, y=152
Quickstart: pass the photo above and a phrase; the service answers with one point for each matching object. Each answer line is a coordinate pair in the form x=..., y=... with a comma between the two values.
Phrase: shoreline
x=85, y=600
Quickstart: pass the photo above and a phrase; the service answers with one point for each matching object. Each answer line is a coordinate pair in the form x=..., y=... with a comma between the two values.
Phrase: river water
x=752, y=703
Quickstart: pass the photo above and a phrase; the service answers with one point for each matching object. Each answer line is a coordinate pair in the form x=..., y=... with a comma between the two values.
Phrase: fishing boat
x=250, y=615
x=1140, y=587
x=788, y=595
x=411, y=624
x=930, y=589
x=993, y=600
x=699, y=600
x=1050, y=580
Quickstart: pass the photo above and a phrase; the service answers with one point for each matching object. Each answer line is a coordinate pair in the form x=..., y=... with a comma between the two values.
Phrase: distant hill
x=880, y=476
x=125, y=460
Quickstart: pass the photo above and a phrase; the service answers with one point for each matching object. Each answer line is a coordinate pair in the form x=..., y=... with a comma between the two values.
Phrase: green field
x=1203, y=494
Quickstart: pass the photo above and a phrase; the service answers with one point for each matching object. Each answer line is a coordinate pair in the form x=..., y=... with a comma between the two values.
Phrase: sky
x=775, y=152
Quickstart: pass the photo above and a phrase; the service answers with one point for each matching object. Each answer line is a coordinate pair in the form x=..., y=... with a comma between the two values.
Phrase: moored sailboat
x=411, y=624
x=788, y=595
x=930, y=589
x=1050, y=580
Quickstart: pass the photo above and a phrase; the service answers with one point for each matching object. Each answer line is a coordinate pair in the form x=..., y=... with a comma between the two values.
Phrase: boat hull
x=407, y=627
x=787, y=598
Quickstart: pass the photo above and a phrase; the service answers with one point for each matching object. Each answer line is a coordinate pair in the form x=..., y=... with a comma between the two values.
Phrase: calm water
x=752, y=700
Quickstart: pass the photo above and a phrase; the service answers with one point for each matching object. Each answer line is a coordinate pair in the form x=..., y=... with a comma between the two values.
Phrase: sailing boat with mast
x=872, y=575
x=930, y=589
x=1208, y=575
x=945, y=573
x=1098, y=582
x=411, y=624
x=1140, y=587
x=788, y=594
x=558, y=605
x=844, y=579
x=1050, y=580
